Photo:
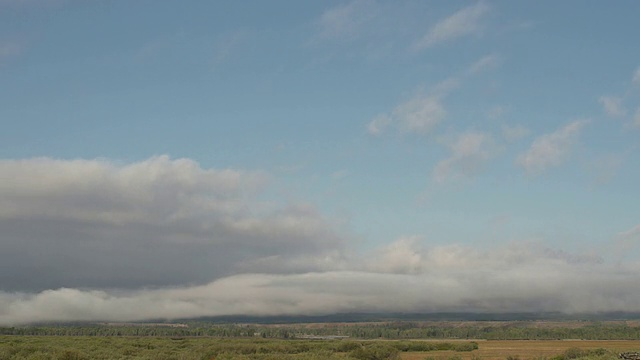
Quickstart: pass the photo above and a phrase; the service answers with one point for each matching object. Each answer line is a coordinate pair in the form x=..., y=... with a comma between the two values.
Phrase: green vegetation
x=516, y=330
x=139, y=348
x=346, y=341
x=577, y=353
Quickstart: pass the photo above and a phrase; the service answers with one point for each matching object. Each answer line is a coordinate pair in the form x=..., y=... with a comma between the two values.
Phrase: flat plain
x=527, y=349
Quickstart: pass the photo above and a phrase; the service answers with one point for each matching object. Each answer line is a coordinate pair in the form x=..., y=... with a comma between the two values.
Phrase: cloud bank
x=158, y=222
x=516, y=278
x=163, y=238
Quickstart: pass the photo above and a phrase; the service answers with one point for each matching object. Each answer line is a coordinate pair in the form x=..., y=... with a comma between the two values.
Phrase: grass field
x=207, y=348
x=139, y=348
x=527, y=349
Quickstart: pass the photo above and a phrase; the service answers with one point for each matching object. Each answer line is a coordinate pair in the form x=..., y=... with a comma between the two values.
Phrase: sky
x=168, y=160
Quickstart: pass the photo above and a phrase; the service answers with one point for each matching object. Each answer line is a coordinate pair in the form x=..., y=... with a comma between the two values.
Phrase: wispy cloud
x=551, y=150
x=464, y=22
x=346, y=21
x=484, y=63
x=226, y=44
x=403, y=256
x=636, y=77
x=424, y=111
x=419, y=114
x=513, y=133
x=470, y=152
x=613, y=106
x=626, y=241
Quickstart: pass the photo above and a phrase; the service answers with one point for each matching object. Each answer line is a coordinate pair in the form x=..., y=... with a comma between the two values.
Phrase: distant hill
x=445, y=316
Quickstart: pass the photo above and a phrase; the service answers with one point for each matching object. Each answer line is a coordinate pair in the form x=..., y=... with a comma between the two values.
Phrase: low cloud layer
x=96, y=240
x=516, y=278
x=159, y=222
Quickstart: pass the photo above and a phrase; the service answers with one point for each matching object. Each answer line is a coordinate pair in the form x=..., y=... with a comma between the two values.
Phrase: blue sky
x=394, y=131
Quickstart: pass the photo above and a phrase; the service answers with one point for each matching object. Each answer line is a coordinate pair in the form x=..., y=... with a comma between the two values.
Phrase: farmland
x=530, y=349
x=105, y=348
x=360, y=340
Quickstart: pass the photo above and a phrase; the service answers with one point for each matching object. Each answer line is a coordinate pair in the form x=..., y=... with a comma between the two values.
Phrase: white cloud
x=419, y=115
x=151, y=223
x=515, y=132
x=613, y=106
x=164, y=238
x=633, y=233
x=469, y=153
x=399, y=257
x=345, y=21
x=626, y=241
x=422, y=113
x=636, y=119
x=636, y=77
x=379, y=124
x=464, y=22
x=484, y=63
x=520, y=277
x=551, y=150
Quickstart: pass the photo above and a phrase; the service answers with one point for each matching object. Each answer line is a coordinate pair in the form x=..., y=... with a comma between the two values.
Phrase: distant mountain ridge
x=444, y=316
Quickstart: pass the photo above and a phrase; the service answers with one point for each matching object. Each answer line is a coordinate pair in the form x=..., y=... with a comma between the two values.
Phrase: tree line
x=392, y=330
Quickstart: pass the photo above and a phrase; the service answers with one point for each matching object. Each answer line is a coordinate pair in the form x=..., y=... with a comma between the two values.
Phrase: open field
x=139, y=348
x=206, y=348
x=528, y=349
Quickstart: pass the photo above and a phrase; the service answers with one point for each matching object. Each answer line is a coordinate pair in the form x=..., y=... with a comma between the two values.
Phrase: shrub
x=376, y=352
x=574, y=353
x=470, y=346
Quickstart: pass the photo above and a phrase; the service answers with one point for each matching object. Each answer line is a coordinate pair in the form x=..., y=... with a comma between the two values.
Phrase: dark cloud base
x=91, y=240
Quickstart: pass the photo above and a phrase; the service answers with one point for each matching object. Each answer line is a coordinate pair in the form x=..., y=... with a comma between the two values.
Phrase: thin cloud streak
x=551, y=150
x=613, y=106
x=470, y=151
x=345, y=21
x=424, y=111
x=419, y=115
x=464, y=22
